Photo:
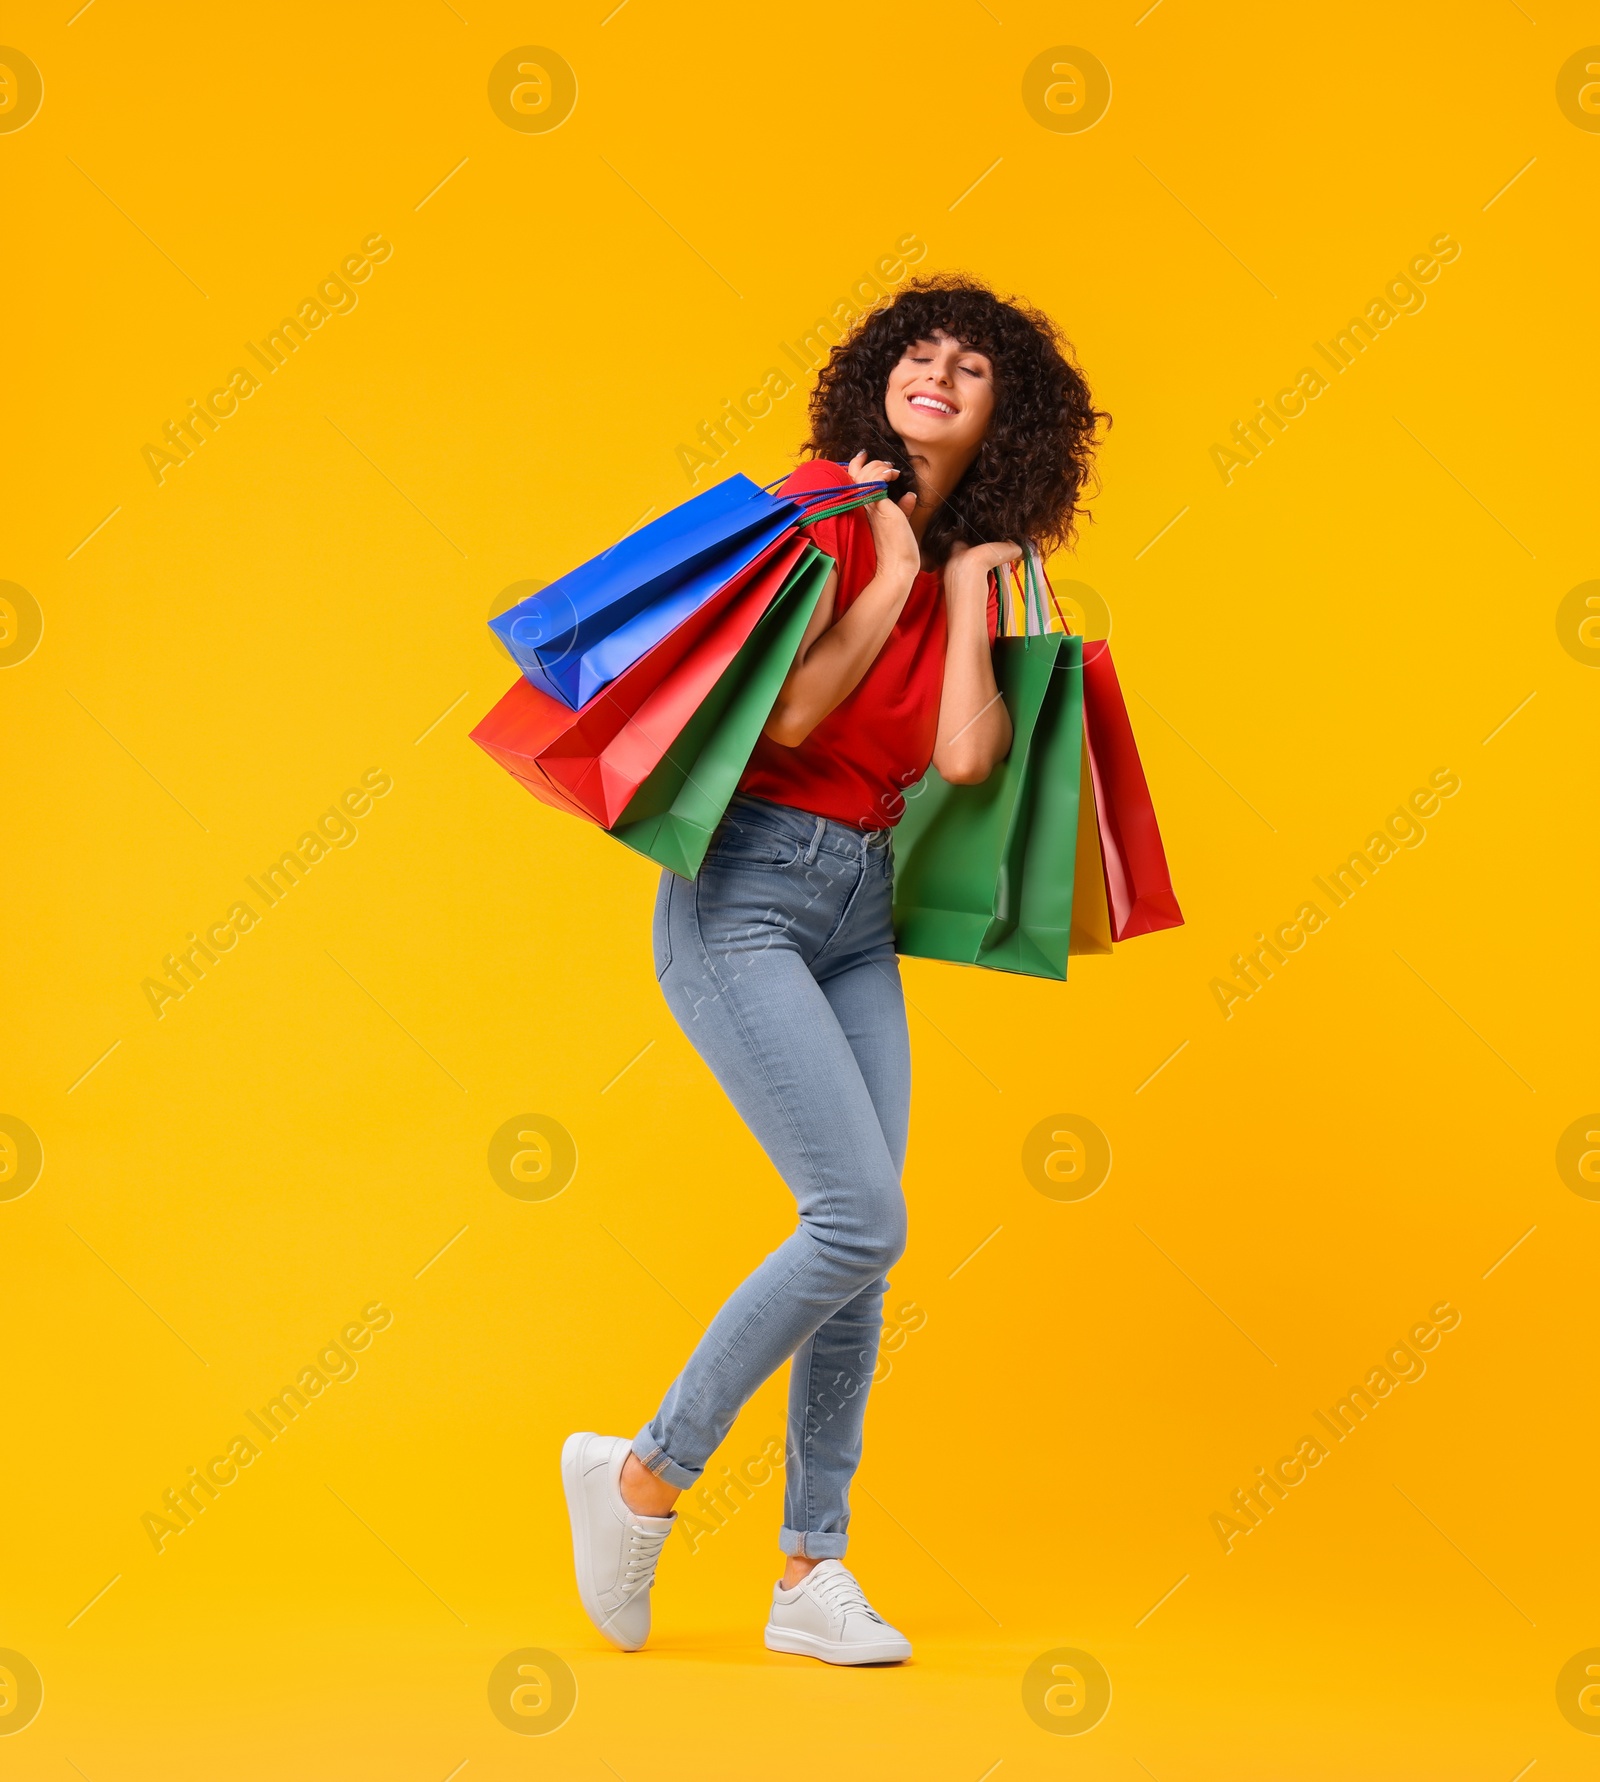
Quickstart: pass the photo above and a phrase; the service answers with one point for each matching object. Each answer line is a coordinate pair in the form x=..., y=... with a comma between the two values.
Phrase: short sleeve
x=840, y=535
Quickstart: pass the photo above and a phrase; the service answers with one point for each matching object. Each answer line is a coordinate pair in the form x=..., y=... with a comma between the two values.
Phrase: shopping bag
x=1091, y=916
x=673, y=815
x=575, y=636
x=532, y=779
x=1138, y=884
x=984, y=874
x=597, y=758
x=1134, y=881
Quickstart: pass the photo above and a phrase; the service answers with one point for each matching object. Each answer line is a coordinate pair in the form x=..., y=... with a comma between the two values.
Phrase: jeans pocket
x=752, y=844
x=661, y=924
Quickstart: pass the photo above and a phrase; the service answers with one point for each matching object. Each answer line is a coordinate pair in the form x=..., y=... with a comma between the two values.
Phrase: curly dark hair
x=1028, y=479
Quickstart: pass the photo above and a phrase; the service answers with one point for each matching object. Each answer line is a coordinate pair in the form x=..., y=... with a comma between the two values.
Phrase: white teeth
x=939, y=408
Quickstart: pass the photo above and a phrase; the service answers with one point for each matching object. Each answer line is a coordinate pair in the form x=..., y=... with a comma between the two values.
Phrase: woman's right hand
x=893, y=540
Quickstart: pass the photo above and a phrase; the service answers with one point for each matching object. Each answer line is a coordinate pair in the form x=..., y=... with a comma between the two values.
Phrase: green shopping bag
x=984, y=874
x=673, y=815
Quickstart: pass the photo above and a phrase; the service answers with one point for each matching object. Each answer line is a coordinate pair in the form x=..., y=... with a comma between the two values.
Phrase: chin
x=914, y=430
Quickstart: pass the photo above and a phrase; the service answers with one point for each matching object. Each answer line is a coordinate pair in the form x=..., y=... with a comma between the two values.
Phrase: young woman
x=778, y=961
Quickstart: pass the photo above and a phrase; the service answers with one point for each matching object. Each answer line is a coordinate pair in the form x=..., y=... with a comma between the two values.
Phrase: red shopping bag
x=593, y=760
x=533, y=780
x=1138, y=884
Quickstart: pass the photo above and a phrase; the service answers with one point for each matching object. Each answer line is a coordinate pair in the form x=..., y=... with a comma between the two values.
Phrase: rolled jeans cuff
x=800, y=1545
x=654, y=1458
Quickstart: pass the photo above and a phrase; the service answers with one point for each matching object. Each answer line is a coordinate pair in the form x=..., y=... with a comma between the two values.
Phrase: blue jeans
x=778, y=962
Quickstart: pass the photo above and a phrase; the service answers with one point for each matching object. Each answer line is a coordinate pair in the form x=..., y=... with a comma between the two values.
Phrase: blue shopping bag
x=574, y=637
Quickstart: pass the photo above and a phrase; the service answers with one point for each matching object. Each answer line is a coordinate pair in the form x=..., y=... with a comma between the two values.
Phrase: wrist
x=898, y=568
x=964, y=584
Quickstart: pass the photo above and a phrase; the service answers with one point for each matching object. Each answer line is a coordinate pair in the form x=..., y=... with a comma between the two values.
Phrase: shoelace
x=841, y=1595
x=644, y=1548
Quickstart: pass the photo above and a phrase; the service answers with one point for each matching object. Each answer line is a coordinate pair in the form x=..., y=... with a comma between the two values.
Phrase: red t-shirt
x=859, y=761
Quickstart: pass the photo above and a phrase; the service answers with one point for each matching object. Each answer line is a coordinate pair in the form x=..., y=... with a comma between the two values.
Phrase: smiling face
x=941, y=397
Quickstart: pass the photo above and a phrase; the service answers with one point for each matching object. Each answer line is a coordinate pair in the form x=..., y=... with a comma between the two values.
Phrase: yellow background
x=299, y=1135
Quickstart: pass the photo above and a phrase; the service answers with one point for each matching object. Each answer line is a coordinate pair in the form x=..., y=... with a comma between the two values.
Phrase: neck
x=937, y=475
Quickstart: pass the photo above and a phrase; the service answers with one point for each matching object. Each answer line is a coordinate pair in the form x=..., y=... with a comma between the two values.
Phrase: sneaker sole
x=804, y=1645
x=578, y=1518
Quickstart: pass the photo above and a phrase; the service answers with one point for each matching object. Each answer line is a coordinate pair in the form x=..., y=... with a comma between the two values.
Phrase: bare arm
x=974, y=726
x=835, y=653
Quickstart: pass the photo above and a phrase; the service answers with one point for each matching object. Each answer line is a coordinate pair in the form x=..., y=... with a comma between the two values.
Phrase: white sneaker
x=614, y=1552
x=827, y=1616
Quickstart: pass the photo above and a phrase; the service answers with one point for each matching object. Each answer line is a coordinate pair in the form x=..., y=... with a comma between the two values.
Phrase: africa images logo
x=333, y=1365
x=334, y=296
x=335, y=828
x=1402, y=1365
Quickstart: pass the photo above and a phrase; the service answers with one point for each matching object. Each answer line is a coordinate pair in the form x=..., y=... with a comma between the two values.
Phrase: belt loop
x=816, y=839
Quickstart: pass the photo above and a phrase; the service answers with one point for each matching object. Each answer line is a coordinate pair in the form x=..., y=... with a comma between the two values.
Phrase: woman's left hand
x=972, y=563
x=974, y=725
